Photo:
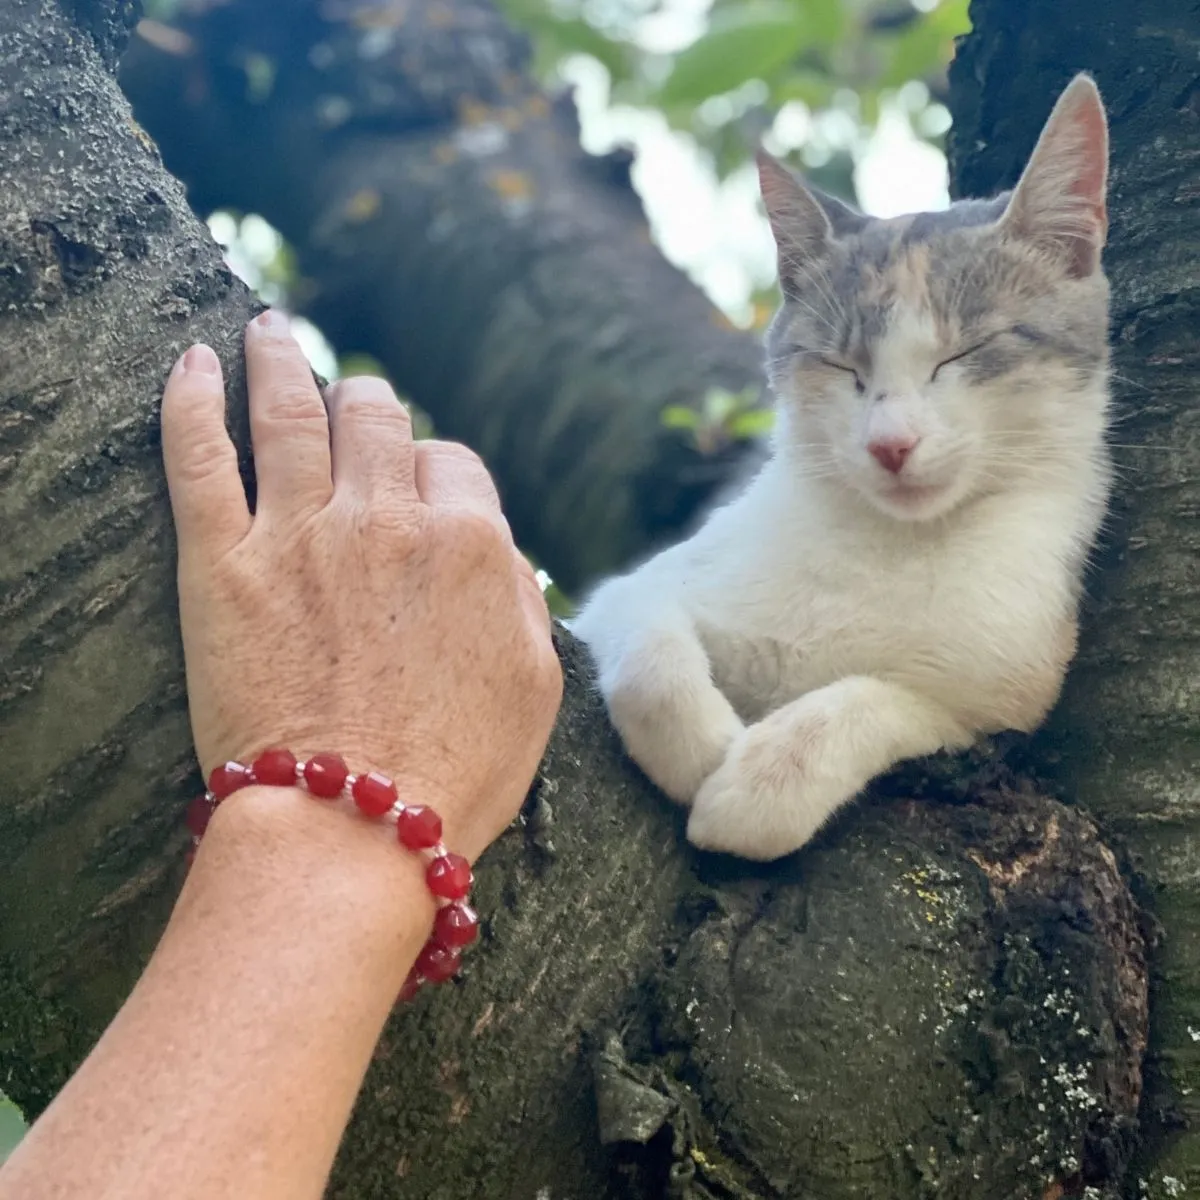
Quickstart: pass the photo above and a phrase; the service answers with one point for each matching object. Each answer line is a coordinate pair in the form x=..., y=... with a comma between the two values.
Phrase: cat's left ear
x=801, y=227
x=1060, y=202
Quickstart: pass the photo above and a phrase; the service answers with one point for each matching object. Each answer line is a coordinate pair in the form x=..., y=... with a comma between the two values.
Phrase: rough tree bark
x=449, y=224
x=1124, y=741
x=944, y=997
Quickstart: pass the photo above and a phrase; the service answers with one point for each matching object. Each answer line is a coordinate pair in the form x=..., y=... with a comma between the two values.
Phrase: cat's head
x=926, y=359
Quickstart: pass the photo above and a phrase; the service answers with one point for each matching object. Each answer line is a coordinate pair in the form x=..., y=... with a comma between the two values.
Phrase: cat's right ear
x=801, y=228
x=1059, y=204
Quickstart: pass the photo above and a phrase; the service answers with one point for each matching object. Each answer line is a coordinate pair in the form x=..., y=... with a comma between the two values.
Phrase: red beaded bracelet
x=418, y=828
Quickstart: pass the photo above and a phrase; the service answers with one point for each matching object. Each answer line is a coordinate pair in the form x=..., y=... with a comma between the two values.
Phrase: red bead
x=449, y=876
x=199, y=813
x=325, y=775
x=456, y=925
x=374, y=793
x=437, y=964
x=227, y=778
x=277, y=768
x=419, y=827
x=410, y=987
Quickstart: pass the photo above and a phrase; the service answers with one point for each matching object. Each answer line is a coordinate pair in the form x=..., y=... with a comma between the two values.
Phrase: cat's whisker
x=1133, y=383
x=817, y=274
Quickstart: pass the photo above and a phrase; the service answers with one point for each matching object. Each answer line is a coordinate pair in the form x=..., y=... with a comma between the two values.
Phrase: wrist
x=296, y=844
x=374, y=802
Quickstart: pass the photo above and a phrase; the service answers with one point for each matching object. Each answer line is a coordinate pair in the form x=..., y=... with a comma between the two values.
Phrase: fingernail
x=273, y=322
x=201, y=360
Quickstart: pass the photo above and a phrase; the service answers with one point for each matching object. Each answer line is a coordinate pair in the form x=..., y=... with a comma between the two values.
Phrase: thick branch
x=1126, y=735
x=447, y=222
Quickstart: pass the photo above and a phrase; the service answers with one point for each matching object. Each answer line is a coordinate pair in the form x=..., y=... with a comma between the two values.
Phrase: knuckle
x=204, y=459
x=390, y=521
x=368, y=398
x=455, y=453
x=472, y=529
x=479, y=538
x=377, y=520
x=290, y=399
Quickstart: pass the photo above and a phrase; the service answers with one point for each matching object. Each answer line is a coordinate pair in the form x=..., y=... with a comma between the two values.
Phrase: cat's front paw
x=676, y=745
x=766, y=799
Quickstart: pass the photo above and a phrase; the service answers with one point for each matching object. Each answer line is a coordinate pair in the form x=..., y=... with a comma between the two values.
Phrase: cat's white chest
x=774, y=640
x=946, y=614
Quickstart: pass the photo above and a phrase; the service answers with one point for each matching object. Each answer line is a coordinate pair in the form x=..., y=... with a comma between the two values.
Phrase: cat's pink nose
x=892, y=452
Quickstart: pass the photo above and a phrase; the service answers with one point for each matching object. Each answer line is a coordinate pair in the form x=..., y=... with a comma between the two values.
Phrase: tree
x=945, y=996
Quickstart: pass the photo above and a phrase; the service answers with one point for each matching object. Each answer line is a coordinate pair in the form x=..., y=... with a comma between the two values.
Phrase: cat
x=904, y=573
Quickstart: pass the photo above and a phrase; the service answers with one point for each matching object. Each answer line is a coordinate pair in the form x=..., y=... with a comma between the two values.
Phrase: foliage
x=12, y=1126
x=750, y=58
x=722, y=417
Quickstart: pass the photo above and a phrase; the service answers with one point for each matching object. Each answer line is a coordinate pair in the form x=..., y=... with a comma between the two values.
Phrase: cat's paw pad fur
x=765, y=800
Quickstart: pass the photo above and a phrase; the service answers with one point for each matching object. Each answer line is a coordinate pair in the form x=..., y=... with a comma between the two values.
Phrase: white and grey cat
x=904, y=573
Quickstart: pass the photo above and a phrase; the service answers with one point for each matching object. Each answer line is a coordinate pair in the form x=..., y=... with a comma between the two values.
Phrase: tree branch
x=447, y=222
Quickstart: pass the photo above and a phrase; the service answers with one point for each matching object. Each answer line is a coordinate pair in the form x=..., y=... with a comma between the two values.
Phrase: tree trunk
x=1124, y=740
x=446, y=221
x=944, y=997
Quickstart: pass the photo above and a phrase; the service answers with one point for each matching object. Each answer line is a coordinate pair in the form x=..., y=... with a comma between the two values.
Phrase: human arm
x=373, y=606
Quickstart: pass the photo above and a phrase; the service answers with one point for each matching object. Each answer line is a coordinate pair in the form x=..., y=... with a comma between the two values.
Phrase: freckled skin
x=904, y=573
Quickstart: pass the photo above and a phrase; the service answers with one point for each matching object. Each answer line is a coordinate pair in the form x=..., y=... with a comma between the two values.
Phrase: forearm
x=232, y=1068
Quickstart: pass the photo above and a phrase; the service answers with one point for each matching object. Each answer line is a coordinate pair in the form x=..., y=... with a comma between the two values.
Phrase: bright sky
x=712, y=229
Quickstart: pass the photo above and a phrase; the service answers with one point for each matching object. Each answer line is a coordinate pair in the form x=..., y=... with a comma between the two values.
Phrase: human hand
x=374, y=605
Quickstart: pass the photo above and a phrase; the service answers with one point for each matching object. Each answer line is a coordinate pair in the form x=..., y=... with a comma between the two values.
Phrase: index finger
x=207, y=497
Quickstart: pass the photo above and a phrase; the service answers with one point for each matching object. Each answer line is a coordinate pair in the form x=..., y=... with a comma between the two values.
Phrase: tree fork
x=945, y=995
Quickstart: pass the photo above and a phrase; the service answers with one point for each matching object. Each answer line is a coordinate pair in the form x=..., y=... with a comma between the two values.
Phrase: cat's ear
x=801, y=227
x=1059, y=203
x=842, y=218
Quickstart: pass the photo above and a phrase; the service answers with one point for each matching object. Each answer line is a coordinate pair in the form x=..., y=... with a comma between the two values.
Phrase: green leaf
x=826, y=21
x=12, y=1126
x=756, y=423
x=720, y=405
x=927, y=45
x=676, y=416
x=743, y=43
x=559, y=37
x=811, y=87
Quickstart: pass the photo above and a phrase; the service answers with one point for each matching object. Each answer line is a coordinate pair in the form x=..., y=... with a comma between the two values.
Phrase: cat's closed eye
x=859, y=386
x=961, y=354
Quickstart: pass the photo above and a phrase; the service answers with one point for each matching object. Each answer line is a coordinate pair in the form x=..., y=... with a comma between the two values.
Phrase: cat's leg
x=656, y=680
x=785, y=776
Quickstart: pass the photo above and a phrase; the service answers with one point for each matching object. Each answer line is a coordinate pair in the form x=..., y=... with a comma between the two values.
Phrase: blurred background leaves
x=12, y=1126
x=850, y=91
